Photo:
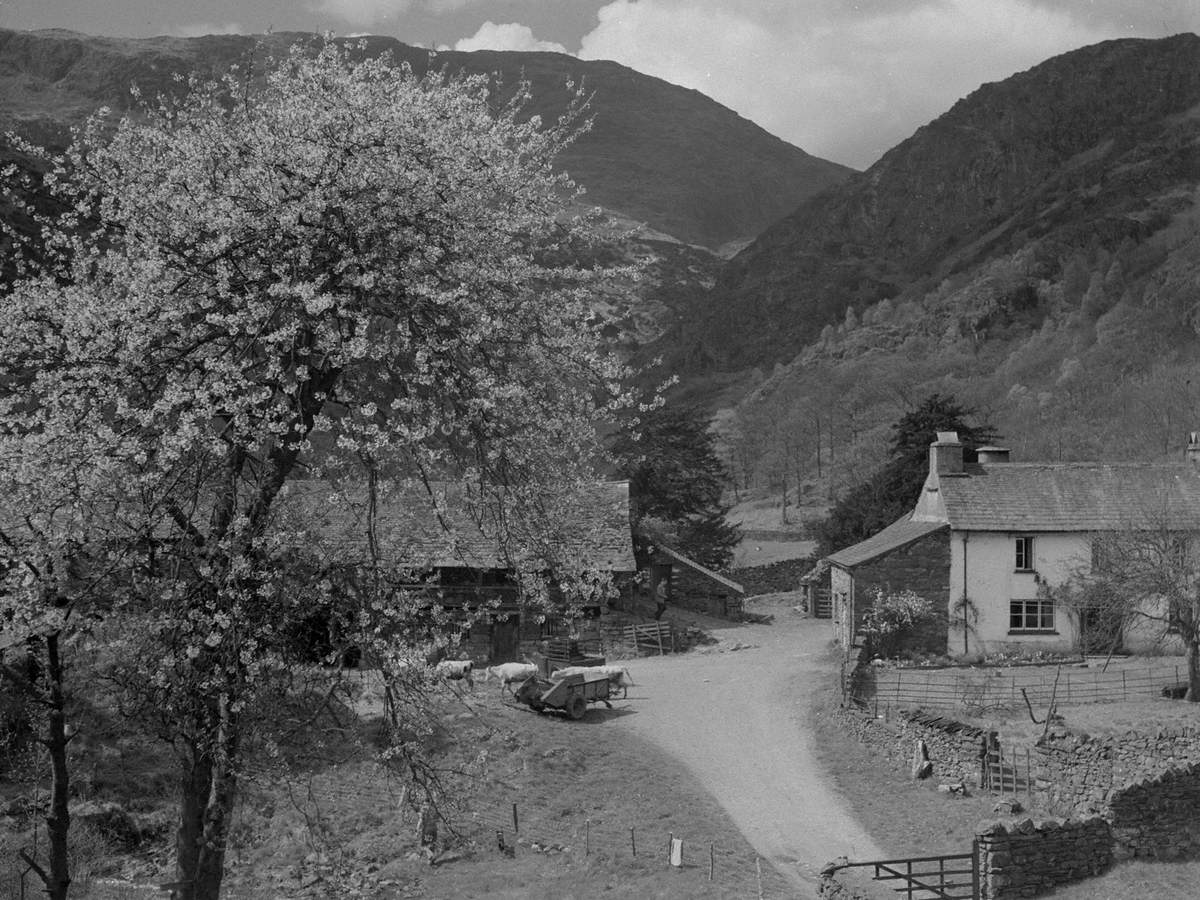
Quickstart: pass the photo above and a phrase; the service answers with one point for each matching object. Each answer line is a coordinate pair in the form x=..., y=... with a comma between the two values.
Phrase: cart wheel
x=576, y=708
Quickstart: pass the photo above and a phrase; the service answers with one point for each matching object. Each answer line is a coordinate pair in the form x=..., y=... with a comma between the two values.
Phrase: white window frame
x=1040, y=610
x=1023, y=552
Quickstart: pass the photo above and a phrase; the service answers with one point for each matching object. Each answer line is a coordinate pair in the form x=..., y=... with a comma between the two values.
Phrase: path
x=737, y=720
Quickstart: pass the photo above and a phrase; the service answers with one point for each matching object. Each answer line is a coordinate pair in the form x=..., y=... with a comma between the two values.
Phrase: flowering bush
x=891, y=617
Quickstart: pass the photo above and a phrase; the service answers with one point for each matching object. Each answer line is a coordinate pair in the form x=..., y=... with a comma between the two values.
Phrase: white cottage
x=985, y=537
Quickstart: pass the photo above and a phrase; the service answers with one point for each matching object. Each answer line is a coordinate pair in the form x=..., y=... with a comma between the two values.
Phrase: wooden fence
x=653, y=636
x=980, y=690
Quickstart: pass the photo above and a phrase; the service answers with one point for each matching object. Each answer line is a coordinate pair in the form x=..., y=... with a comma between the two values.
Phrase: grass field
x=595, y=810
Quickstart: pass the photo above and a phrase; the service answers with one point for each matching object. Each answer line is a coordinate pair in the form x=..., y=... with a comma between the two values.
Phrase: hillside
x=1089, y=149
x=1034, y=252
x=657, y=153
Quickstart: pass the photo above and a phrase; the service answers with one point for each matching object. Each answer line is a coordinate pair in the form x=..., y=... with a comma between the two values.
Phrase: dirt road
x=736, y=718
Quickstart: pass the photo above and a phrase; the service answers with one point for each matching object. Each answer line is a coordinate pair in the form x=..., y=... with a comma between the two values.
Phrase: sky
x=842, y=80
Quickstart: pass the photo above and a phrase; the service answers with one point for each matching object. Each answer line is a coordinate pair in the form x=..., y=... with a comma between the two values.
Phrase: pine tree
x=677, y=485
x=892, y=491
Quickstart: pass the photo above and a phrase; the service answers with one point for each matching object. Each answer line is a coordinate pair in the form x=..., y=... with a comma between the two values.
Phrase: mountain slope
x=1035, y=253
x=658, y=153
x=1090, y=148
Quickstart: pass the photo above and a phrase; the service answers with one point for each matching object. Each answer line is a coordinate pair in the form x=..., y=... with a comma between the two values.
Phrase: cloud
x=199, y=29
x=367, y=11
x=848, y=81
x=1160, y=17
x=509, y=36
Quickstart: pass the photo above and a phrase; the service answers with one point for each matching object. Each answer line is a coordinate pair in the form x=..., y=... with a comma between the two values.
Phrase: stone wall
x=1027, y=858
x=955, y=749
x=1076, y=774
x=769, y=579
x=691, y=590
x=1158, y=818
x=922, y=567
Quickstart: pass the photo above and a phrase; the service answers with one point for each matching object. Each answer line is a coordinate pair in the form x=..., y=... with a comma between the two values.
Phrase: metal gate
x=949, y=877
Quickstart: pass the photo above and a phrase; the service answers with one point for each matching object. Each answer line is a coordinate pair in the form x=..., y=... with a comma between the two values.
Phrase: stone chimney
x=992, y=454
x=946, y=454
x=1193, y=448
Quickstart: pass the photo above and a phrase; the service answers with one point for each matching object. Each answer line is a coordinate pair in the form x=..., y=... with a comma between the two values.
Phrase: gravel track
x=737, y=719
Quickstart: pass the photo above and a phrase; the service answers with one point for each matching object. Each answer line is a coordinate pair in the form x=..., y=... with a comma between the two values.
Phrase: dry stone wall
x=774, y=577
x=1158, y=818
x=955, y=749
x=1076, y=774
x=1028, y=858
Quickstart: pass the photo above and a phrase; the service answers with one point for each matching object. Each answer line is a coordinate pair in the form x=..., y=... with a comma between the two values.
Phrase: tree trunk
x=58, y=820
x=208, y=793
x=194, y=789
x=1193, y=666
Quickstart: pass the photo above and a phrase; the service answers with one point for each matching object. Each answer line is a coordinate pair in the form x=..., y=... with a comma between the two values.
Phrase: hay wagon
x=570, y=695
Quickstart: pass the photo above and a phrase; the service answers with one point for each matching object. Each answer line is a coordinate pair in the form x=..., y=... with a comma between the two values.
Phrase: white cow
x=510, y=673
x=455, y=670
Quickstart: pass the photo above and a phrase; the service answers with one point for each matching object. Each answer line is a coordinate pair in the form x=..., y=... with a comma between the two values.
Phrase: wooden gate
x=950, y=877
x=1006, y=773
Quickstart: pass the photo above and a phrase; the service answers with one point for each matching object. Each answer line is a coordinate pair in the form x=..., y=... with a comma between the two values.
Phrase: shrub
x=892, y=618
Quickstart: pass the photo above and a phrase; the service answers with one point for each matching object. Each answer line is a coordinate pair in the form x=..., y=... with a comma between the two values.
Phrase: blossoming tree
x=339, y=272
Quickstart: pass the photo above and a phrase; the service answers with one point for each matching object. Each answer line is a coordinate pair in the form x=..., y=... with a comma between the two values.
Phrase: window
x=1024, y=554
x=1031, y=615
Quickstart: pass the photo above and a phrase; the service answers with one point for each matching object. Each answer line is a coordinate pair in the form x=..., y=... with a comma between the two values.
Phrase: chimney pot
x=1193, y=448
x=946, y=454
x=993, y=454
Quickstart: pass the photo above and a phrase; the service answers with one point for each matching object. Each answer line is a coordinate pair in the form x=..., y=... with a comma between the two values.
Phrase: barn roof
x=901, y=533
x=676, y=556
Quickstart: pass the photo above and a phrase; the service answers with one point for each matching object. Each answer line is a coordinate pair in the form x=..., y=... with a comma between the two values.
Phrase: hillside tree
x=892, y=491
x=339, y=272
x=677, y=485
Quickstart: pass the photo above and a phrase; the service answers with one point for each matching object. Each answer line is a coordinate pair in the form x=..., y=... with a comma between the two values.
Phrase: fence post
x=976, y=890
x=516, y=826
x=632, y=842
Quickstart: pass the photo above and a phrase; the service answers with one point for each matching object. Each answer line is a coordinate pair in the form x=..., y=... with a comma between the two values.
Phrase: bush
x=892, y=618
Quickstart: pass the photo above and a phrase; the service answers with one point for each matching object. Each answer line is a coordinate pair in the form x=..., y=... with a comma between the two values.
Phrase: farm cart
x=570, y=695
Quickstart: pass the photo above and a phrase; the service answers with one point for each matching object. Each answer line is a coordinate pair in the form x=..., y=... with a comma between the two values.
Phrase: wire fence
x=990, y=689
x=512, y=828
x=711, y=862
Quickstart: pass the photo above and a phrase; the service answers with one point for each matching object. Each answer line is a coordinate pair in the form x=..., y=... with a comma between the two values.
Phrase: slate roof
x=1072, y=497
x=678, y=557
x=451, y=525
x=900, y=533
